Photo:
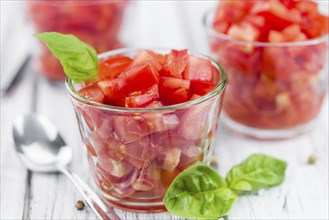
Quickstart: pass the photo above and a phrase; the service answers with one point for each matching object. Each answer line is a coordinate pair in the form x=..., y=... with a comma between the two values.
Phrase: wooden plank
x=54, y=196
x=303, y=194
x=14, y=187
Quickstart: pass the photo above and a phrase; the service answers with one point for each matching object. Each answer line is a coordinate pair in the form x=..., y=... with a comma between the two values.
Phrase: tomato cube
x=92, y=92
x=176, y=62
x=111, y=67
x=178, y=96
x=139, y=77
x=245, y=31
x=198, y=69
x=142, y=99
x=168, y=85
x=201, y=88
x=143, y=57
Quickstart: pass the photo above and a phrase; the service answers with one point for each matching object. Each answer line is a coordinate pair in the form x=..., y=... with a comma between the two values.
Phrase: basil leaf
x=78, y=59
x=199, y=192
x=256, y=172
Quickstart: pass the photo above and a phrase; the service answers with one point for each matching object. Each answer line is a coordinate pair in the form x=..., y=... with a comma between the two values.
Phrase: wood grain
x=24, y=195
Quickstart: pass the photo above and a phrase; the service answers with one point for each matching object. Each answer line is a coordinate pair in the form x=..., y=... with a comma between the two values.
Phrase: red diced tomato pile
x=138, y=154
x=272, y=86
x=148, y=77
x=96, y=23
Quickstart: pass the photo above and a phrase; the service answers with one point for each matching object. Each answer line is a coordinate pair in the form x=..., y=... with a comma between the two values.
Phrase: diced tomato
x=276, y=14
x=227, y=14
x=198, y=69
x=143, y=57
x=315, y=25
x=92, y=92
x=307, y=7
x=293, y=32
x=168, y=85
x=289, y=3
x=107, y=87
x=139, y=77
x=194, y=96
x=201, y=88
x=178, y=96
x=141, y=100
x=111, y=67
x=276, y=37
x=176, y=62
x=221, y=26
x=245, y=31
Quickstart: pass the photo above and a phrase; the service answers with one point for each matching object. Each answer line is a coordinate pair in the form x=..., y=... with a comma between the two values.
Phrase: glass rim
x=210, y=30
x=214, y=92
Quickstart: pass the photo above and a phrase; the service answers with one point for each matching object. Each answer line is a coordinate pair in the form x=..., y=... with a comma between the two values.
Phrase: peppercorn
x=80, y=205
x=312, y=159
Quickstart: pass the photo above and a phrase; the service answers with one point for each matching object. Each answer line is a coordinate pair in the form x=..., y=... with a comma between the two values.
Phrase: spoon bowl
x=39, y=145
x=42, y=149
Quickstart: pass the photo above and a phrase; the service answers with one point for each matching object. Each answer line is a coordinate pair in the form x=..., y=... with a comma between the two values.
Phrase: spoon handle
x=97, y=205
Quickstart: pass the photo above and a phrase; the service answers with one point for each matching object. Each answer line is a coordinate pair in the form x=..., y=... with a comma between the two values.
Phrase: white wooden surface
x=26, y=195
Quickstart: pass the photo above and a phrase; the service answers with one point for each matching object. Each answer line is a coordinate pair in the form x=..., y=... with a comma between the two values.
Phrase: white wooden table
x=26, y=195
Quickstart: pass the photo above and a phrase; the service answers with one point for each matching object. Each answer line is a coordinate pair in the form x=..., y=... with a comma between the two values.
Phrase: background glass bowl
x=97, y=23
x=275, y=90
x=135, y=153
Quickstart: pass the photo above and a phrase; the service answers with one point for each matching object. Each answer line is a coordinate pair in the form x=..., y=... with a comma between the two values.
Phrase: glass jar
x=95, y=22
x=275, y=90
x=135, y=153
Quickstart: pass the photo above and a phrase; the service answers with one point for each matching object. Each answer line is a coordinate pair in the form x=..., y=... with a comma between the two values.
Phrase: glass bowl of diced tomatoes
x=276, y=57
x=148, y=116
x=97, y=23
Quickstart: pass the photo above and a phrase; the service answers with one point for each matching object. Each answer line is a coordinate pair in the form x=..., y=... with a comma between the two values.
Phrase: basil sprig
x=78, y=59
x=200, y=192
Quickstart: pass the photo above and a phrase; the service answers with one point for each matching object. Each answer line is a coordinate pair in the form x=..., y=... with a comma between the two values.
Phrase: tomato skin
x=245, y=31
x=178, y=96
x=176, y=62
x=111, y=67
x=92, y=92
x=143, y=99
x=143, y=57
x=289, y=3
x=276, y=14
x=168, y=85
x=139, y=77
x=201, y=88
x=198, y=69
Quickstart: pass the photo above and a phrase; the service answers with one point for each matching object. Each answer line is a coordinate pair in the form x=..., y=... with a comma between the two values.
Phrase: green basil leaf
x=78, y=59
x=256, y=172
x=199, y=192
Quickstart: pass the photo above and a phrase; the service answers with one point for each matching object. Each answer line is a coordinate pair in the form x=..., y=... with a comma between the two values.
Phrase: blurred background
x=150, y=24
x=138, y=30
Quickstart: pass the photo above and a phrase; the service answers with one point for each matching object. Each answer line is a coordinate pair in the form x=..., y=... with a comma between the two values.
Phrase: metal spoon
x=42, y=149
